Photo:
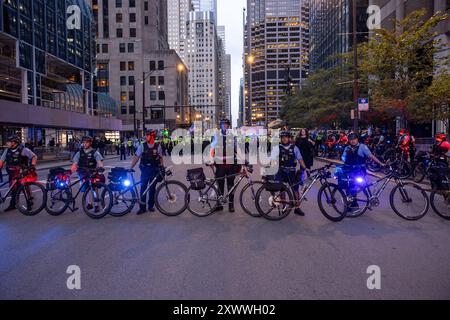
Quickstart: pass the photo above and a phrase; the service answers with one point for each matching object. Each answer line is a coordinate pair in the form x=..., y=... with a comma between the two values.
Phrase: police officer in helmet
x=16, y=157
x=150, y=155
x=87, y=159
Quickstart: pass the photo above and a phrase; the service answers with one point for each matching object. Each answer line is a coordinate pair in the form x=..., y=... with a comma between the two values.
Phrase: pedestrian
x=151, y=161
x=306, y=146
x=123, y=151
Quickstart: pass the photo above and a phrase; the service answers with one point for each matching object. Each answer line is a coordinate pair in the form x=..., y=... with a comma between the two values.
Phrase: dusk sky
x=230, y=15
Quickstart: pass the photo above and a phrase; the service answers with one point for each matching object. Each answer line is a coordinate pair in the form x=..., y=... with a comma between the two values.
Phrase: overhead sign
x=363, y=104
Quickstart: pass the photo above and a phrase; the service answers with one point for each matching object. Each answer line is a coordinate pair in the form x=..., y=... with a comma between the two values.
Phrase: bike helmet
x=225, y=121
x=151, y=132
x=402, y=132
x=353, y=136
x=14, y=138
x=285, y=134
x=441, y=137
x=87, y=138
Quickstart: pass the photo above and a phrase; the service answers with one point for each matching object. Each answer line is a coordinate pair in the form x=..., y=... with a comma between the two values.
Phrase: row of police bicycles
x=343, y=192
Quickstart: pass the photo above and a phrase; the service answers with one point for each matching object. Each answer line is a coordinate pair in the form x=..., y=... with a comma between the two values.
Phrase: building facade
x=47, y=87
x=203, y=62
x=397, y=10
x=135, y=65
x=331, y=30
x=177, y=13
x=276, y=62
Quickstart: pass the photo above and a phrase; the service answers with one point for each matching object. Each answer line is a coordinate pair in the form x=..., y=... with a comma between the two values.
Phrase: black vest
x=287, y=157
x=15, y=158
x=150, y=156
x=439, y=150
x=87, y=160
x=352, y=158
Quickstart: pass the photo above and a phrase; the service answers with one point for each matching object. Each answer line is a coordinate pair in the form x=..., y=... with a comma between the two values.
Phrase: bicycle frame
x=11, y=188
x=134, y=185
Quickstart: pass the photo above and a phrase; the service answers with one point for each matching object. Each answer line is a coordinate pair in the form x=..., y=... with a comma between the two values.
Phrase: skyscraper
x=224, y=75
x=136, y=66
x=205, y=5
x=276, y=62
x=331, y=27
x=177, y=13
x=202, y=57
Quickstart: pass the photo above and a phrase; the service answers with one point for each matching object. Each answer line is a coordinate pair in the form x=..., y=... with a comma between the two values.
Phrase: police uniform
x=14, y=160
x=150, y=165
x=289, y=155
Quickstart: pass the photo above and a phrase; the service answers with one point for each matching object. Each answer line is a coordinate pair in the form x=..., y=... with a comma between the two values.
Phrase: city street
x=224, y=256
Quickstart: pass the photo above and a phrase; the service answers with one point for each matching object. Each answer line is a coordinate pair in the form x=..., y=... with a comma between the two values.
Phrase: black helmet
x=353, y=136
x=285, y=133
x=150, y=132
x=13, y=138
x=87, y=138
x=225, y=121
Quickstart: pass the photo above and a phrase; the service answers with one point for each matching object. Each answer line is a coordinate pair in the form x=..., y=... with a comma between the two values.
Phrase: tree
x=405, y=75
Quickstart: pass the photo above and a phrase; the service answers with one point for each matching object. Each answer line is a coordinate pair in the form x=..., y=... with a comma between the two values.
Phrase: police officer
x=289, y=155
x=16, y=157
x=150, y=154
x=87, y=159
x=226, y=164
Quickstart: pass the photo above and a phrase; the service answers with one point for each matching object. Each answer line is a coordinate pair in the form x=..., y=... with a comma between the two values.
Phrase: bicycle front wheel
x=31, y=198
x=332, y=202
x=247, y=198
x=440, y=202
x=171, y=198
x=58, y=201
x=123, y=201
x=274, y=205
x=97, y=201
x=409, y=201
x=202, y=203
x=418, y=173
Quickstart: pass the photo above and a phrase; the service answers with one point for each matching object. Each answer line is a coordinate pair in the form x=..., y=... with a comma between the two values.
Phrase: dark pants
x=147, y=176
x=123, y=156
x=226, y=170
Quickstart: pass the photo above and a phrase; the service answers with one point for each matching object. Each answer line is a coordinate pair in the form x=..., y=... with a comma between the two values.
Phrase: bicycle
x=361, y=196
x=26, y=191
x=398, y=159
x=440, y=195
x=205, y=199
x=125, y=194
x=282, y=197
x=60, y=194
x=423, y=163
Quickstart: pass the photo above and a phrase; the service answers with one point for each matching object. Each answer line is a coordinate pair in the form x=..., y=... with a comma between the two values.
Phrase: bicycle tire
x=67, y=202
x=360, y=212
x=424, y=195
x=123, y=213
x=209, y=187
x=161, y=188
x=285, y=211
x=34, y=212
x=433, y=198
x=101, y=196
x=241, y=198
x=321, y=207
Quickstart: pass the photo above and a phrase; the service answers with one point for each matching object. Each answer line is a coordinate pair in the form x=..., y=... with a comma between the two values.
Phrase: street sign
x=363, y=104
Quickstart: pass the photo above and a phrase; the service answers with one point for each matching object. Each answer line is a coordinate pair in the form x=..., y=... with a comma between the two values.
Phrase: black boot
x=142, y=210
x=299, y=212
x=218, y=208
x=11, y=207
x=231, y=207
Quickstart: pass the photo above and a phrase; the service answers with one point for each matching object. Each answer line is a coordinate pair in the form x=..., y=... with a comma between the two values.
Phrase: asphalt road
x=224, y=256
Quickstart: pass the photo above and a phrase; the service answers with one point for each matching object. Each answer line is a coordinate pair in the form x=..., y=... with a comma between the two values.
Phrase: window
x=123, y=96
x=123, y=81
x=131, y=47
x=132, y=3
x=119, y=33
x=152, y=65
x=161, y=80
x=161, y=95
x=131, y=80
x=152, y=95
x=118, y=3
x=160, y=65
x=132, y=17
x=105, y=48
x=153, y=81
x=123, y=66
x=133, y=32
x=130, y=65
x=146, y=20
x=146, y=5
x=131, y=95
x=122, y=47
x=123, y=109
x=132, y=110
x=119, y=18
